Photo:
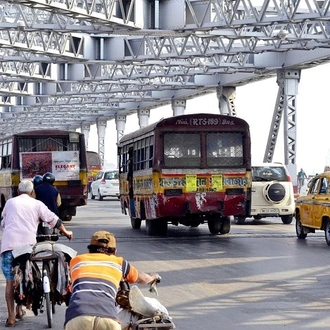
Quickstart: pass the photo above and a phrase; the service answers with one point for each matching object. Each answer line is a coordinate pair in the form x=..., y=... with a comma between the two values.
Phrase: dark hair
x=99, y=249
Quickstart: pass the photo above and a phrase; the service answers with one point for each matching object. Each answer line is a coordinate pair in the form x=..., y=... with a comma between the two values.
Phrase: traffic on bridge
x=245, y=249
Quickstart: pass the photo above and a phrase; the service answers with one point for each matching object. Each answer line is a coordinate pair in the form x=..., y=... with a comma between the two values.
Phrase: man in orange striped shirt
x=95, y=280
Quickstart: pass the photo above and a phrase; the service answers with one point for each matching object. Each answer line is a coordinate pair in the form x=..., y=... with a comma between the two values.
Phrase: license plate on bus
x=269, y=210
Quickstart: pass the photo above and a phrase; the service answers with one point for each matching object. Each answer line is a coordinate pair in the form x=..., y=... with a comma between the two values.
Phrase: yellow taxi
x=312, y=211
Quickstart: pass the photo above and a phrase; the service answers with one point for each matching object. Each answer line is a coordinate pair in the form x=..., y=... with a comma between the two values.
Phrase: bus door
x=130, y=182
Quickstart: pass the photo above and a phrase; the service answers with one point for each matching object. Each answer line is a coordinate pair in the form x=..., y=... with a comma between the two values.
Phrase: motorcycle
x=137, y=311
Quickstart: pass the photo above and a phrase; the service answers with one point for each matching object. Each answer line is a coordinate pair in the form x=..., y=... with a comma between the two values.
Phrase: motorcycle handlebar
x=47, y=237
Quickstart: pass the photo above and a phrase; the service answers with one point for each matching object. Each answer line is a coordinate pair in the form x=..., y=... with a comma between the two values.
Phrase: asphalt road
x=259, y=276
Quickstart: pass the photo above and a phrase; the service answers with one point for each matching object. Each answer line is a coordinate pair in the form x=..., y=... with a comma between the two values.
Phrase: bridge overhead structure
x=71, y=64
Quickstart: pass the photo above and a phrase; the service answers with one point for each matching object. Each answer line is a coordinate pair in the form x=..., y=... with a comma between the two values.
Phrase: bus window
x=224, y=149
x=182, y=150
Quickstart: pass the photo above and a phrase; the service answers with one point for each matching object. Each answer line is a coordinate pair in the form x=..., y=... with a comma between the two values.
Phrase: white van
x=272, y=193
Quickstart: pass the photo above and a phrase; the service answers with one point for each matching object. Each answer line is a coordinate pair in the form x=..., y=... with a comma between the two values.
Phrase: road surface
x=259, y=276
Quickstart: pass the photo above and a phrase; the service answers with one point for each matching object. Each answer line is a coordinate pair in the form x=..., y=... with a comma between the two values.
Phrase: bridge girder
x=84, y=60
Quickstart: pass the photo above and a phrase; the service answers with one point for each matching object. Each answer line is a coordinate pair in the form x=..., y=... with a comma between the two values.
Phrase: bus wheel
x=225, y=227
x=3, y=202
x=136, y=223
x=157, y=227
x=239, y=220
x=162, y=227
x=67, y=218
x=151, y=227
x=214, y=224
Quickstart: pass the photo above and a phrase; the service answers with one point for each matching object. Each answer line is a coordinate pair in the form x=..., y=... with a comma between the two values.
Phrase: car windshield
x=265, y=173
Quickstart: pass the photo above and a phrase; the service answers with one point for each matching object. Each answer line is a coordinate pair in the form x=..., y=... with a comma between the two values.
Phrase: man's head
x=49, y=178
x=102, y=241
x=25, y=187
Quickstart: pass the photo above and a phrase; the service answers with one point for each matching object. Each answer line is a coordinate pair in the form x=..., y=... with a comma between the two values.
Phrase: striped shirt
x=95, y=280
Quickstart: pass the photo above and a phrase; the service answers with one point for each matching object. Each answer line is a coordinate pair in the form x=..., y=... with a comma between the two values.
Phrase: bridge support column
x=120, y=126
x=226, y=97
x=143, y=116
x=101, y=126
x=178, y=107
x=85, y=130
x=286, y=104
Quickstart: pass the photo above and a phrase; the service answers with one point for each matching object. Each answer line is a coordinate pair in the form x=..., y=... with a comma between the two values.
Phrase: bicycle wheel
x=47, y=293
x=49, y=310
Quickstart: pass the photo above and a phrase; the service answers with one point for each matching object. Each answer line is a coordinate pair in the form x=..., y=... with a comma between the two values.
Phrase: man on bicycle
x=20, y=219
x=95, y=281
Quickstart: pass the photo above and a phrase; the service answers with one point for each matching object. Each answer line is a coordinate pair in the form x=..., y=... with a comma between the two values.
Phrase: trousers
x=86, y=322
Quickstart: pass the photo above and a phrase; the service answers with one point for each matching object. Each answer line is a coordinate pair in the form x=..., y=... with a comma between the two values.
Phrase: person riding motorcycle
x=49, y=195
x=37, y=180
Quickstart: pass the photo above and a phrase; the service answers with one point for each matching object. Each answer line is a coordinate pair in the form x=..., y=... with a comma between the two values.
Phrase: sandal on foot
x=20, y=317
x=9, y=324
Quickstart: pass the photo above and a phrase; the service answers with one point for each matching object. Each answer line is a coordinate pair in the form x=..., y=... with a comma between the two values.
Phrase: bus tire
x=136, y=223
x=240, y=220
x=214, y=224
x=225, y=226
x=151, y=227
x=157, y=227
x=3, y=202
x=162, y=227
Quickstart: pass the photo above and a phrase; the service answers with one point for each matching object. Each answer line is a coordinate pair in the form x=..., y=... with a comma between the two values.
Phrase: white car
x=105, y=184
x=272, y=193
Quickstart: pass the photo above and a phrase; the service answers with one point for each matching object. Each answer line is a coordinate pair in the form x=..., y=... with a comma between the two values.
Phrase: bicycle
x=48, y=260
x=140, y=312
x=43, y=261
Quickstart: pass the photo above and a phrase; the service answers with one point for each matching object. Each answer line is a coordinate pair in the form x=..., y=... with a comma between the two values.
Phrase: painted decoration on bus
x=192, y=183
x=63, y=164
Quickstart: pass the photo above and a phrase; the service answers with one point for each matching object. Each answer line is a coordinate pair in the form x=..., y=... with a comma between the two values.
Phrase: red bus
x=186, y=170
x=62, y=153
x=94, y=165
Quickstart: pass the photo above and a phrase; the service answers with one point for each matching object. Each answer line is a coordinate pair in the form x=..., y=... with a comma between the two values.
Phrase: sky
x=255, y=103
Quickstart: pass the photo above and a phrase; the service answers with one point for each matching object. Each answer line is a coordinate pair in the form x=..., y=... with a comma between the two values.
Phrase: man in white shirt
x=20, y=219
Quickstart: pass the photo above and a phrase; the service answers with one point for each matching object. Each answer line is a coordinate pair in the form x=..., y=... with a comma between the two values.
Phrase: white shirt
x=20, y=221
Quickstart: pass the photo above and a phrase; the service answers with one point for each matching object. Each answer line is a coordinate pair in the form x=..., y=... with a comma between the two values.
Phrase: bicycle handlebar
x=153, y=285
